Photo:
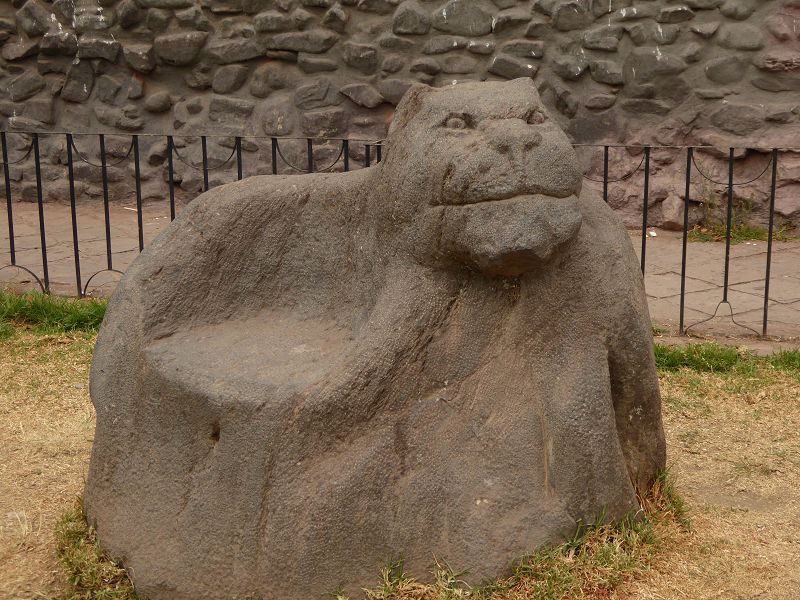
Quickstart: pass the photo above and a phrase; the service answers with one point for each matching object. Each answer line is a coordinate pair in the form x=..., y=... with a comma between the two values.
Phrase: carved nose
x=512, y=136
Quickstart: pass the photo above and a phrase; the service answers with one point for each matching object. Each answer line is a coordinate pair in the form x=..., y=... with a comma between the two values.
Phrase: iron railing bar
x=40, y=206
x=138, y=175
x=238, y=146
x=9, y=202
x=728, y=226
x=106, y=206
x=770, y=229
x=645, y=206
x=171, y=178
x=205, y=162
x=684, y=243
x=74, y=216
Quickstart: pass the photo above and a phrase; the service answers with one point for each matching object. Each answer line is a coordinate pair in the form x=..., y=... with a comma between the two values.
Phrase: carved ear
x=508, y=238
x=409, y=106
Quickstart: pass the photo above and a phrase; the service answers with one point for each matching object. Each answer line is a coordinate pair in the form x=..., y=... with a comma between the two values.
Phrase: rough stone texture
x=179, y=49
x=79, y=82
x=610, y=71
x=34, y=18
x=59, y=42
x=726, y=69
x=140, y=57
x=158, y=103
x=229, y=78
x=464, y=18
x=739, y=119
x=93, y=45
x=25, y=85
x=412, y=19
x=479, y=379
x=362, y=94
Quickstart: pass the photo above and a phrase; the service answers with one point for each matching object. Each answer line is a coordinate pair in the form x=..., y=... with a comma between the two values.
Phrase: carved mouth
x=509, y=199
x=452, y=194
x=509, y=236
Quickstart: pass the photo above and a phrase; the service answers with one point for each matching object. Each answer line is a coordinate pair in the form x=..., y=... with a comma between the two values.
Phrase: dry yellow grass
x=46, y=428
x=733, y=446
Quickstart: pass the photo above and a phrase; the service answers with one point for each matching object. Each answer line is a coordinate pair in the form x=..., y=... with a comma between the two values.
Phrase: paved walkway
x=705, y=263
x=705, y=267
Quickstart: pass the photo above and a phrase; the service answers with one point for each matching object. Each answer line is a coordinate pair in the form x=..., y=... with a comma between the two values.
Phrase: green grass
x=740, y=232
x=707, y=358
x=594, y=561
x=49, y=314
x=713, y=226
x=710, y=357
x=787, y=360
x=599, y=556
x=666, y=502
x=90, y=573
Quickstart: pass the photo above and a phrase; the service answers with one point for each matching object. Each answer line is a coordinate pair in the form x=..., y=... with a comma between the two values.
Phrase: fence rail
x=343, y=150
x=277, y=157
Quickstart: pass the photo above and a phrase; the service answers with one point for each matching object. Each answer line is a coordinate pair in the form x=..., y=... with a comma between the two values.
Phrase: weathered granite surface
x=448, y=355
x=716, y=72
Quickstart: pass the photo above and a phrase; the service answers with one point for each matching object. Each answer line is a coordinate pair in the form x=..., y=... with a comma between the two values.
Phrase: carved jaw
x=509, y=237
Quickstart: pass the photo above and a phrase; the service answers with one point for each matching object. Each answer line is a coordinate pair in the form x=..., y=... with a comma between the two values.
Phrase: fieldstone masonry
x=715, y=72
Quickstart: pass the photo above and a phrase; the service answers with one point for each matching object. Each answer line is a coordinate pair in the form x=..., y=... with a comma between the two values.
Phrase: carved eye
x=536, y=117
x=456, y=122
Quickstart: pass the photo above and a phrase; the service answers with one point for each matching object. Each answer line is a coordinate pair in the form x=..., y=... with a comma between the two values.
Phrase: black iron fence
x=692, y=166
x=345, y=155
x=371, y=151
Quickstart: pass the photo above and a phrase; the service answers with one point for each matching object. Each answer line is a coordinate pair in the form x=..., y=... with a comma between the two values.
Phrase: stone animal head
x=482, y=176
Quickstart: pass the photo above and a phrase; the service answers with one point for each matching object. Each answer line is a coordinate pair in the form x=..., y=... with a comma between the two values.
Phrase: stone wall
x=715, y=72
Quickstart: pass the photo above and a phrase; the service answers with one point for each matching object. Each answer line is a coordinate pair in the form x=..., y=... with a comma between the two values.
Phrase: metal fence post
x=40, y=205
x=171, y=177
x=74, y=215
x=689, y=153
x=138, y=176
x=9, y=204
x=773, y=187
x=645, y=205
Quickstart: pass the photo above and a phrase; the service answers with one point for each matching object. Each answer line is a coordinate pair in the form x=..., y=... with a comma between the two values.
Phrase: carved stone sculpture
x=446, y=355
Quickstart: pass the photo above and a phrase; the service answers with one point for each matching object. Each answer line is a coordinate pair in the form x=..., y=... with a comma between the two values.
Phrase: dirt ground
x=46, y=429
x=734, y=448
